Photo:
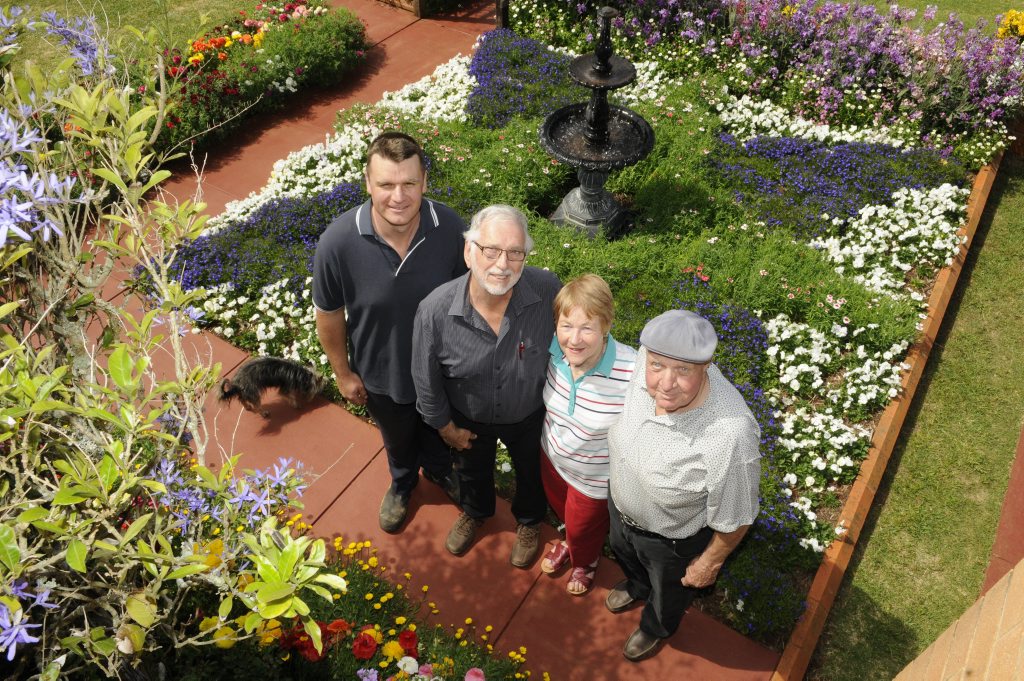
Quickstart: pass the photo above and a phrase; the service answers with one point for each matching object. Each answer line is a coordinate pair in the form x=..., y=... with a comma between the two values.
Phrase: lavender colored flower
x=81, y=37
x=26, y=195
x=14, y=630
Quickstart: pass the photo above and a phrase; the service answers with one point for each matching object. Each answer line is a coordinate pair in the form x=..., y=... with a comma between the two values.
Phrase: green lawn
x=177, y=21
x=922, y=558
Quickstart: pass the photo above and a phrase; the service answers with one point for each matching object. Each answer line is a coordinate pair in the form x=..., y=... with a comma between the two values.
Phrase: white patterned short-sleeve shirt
x=676, y=473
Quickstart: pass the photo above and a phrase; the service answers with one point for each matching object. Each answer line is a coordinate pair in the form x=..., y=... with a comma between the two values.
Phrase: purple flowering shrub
x=517, y=76
x=794, y=183
x=829, y=62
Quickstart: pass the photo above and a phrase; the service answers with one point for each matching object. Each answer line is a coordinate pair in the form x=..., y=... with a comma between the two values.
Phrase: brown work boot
x=393, y=508
x=461, y=536
x=525, y=548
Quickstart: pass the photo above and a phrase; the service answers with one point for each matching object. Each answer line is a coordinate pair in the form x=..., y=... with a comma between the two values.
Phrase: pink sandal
x=555, y=558
x=584, y=576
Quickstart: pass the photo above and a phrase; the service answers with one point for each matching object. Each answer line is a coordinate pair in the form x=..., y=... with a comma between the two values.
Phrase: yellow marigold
x=400, y=620
x=268, y=632
x=212, y=552
x=393, y=650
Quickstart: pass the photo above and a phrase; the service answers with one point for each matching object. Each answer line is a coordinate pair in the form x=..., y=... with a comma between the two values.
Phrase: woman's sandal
x=582, y=576
x=555, y=558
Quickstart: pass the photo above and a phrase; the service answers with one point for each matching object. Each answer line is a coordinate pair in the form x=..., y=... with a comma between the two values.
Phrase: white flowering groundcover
x=826, y=408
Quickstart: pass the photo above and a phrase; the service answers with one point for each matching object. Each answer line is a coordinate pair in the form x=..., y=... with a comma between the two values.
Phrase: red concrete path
x=1008, y=549
x=571, y=638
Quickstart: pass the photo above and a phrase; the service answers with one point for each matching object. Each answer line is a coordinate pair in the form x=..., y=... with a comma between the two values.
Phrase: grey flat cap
x=682, y=335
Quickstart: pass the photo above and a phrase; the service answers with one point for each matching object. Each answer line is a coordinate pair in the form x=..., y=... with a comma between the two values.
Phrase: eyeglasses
x=493, y=253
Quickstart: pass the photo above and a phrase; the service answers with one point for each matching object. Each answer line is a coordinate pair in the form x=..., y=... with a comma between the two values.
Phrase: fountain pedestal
x=596, y=137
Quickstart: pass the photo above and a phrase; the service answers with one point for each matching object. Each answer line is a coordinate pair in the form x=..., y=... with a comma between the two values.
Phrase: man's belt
x=638, y=528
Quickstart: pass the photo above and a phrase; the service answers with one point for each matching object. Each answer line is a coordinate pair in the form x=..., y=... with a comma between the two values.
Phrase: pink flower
x=426, y=670
x=475, y=674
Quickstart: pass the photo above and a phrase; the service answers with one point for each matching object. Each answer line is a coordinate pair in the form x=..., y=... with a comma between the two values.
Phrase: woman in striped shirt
x=587, y=377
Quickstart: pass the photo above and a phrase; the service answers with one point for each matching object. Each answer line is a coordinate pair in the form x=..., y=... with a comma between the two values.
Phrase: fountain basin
x=630, y=138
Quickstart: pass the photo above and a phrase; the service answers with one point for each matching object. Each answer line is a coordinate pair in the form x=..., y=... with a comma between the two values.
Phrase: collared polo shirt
x=355, y=269
x=579, y=413
x=676, y=473
x=459, y=363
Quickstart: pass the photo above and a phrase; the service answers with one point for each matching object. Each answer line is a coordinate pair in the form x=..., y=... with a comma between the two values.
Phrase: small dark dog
x=296, y=382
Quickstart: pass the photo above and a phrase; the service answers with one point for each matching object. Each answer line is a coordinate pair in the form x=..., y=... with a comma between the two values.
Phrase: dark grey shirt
x=458, y=363
x=357, y=270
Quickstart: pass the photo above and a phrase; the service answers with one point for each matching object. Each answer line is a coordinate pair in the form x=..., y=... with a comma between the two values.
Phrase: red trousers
x=586, y=519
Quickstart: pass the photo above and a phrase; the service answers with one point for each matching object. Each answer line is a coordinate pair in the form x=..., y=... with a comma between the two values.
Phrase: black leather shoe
x=640, y=645
x=393, y=508
x=449, y=484
x=618, y=598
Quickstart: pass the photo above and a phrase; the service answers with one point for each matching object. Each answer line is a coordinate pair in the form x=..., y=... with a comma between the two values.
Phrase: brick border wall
x=987, y=642
x=803, y=640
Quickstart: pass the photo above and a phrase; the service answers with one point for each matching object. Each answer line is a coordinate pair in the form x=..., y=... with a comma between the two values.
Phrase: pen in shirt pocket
x=522, y=348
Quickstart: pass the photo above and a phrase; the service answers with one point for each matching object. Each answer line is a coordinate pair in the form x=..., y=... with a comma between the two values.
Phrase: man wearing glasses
x=480, y=350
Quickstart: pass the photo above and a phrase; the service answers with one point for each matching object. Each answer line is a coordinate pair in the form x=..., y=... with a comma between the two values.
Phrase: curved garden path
x=570, y=638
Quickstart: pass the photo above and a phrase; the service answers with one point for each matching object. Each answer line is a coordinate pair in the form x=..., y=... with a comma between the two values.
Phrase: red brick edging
x=803, y=640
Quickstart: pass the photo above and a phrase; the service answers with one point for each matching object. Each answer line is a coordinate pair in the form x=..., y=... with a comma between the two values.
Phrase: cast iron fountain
x=597, y=137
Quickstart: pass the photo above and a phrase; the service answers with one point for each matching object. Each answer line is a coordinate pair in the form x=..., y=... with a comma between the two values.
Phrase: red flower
x=282, y=18
x=409, y=642
x=364, y=646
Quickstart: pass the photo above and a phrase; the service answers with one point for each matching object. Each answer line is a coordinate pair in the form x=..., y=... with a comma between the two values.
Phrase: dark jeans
x=410, y=443
x=654, y=566
x=475, y=467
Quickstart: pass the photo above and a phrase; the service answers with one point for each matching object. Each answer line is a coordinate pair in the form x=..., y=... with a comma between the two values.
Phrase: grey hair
x=499, y=210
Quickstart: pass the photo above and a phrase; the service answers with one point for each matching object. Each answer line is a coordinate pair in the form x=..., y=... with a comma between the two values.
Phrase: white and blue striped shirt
x=579, y=413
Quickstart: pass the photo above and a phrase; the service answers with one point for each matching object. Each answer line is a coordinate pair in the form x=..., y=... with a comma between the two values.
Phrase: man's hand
x=700, y=573
x=352, y=389
x=457, y=438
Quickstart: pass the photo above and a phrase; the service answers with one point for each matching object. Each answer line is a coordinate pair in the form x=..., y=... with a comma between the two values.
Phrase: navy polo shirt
x=357, y=270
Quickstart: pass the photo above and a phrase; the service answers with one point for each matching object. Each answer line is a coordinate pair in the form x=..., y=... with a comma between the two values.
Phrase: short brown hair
x=396, y=146
x=591, y=294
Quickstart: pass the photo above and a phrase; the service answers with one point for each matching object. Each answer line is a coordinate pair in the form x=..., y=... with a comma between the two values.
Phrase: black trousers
x=410, y=443
x=654, y=566
x=475, y=467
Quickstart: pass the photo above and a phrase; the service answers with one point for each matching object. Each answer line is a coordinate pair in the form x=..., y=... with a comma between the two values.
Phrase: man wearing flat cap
x=685, y=468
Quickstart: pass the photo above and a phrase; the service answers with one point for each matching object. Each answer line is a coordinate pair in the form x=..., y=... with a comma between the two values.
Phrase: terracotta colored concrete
x=1008, y=548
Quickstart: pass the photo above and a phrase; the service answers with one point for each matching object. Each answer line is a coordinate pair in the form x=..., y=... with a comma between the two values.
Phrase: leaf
x=68, y=496
x=225, y=607
x=136, y=527
x=101, y=545
x=186, y=570
x=111, y=177
x=269, y=593
x=272, y=610
x=8, y=308
x=10, y=555
x=47, y=526
x=120, y=367
x=76, y=554
x=322, y=592
x=334, y=581
x=141, y=609
x=313, y=629
x=108, y=472
x=31, y=514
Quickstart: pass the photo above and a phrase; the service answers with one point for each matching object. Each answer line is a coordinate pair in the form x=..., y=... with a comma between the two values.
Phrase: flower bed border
x=802, y=642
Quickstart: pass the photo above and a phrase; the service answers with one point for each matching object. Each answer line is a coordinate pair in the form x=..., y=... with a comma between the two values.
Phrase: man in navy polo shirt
x=373, y=266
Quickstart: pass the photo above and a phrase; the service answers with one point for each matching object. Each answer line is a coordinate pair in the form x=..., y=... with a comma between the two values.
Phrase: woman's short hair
x=499, y=210
x=397, y=147
x=592, y=295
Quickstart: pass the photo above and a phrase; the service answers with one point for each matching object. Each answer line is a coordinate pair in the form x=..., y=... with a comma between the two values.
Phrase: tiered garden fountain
x=596, y=137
